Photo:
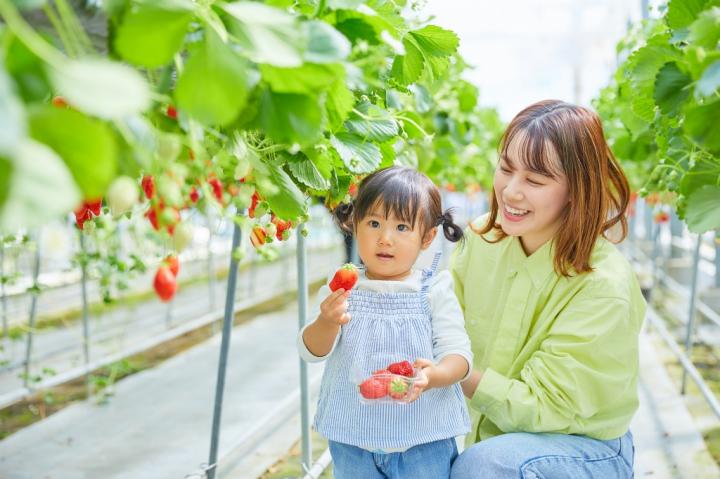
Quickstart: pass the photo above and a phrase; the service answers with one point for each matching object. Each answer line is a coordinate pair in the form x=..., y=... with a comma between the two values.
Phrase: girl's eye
x=373, y=223
x=403, y=228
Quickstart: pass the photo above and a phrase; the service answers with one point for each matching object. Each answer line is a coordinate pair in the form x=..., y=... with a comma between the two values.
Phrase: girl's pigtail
x=451, y=231
x=343, y=215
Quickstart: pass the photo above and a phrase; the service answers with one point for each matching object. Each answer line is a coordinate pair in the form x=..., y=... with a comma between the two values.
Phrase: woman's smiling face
x=531, y=203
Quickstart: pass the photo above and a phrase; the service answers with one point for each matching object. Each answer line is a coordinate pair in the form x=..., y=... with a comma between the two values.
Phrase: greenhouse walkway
x=158, y=424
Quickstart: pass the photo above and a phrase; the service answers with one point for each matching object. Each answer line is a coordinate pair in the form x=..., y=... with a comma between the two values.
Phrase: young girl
x=553, y=309
x=393, y=312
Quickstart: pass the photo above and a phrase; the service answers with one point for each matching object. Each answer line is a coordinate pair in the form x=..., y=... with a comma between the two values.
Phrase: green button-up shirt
x=557, y=354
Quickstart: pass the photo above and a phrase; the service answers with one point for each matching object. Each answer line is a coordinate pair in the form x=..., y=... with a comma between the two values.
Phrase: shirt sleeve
x=304, y=352
x=588, y=360
x=448, y=323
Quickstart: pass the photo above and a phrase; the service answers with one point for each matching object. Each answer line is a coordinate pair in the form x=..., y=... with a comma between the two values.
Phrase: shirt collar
x=539, y=265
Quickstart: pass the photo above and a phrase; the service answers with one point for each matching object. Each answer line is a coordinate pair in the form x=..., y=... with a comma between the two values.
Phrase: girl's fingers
x=344, y=319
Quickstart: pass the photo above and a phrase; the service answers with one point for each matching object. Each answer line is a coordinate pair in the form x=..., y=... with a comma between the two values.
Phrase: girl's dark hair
x=404, y=192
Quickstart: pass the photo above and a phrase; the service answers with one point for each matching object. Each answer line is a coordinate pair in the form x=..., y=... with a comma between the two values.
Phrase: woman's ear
x=429, y=237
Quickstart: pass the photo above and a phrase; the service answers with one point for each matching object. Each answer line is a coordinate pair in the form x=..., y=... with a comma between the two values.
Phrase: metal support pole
x=3, y=298
x=717, y=259
x=210, y=266
x=33, y=312
x=306, y=457
x=85, y=315
x=676, y=231
x=691, y=309
x=224, y=349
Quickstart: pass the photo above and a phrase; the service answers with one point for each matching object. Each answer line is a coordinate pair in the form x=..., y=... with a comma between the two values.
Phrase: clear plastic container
x=377, y=385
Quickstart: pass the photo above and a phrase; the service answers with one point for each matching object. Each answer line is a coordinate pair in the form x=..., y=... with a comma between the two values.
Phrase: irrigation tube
x=687, y=365
x=85, y=325
x=322, y=463
x=224, y=348
x=302, y=320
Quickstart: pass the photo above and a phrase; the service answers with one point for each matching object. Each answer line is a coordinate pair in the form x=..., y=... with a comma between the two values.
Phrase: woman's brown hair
x=597, y=187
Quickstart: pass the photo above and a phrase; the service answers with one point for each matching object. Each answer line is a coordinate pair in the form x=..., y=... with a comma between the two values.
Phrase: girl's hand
x=333, y=310
x=425, y=369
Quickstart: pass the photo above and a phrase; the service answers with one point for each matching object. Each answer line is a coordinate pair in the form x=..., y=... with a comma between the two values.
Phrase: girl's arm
x=319, y=337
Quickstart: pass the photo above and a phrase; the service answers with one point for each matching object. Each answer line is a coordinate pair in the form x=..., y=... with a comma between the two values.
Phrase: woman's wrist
x=470, y=385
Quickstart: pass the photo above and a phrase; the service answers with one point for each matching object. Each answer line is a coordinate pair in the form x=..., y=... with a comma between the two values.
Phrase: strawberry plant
x=662, y=109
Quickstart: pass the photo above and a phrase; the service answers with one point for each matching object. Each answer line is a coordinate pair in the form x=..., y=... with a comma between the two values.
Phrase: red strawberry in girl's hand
x=344, y=278
x=373, y=388
x=165, y=283
x=403, y=368
x=383, y=375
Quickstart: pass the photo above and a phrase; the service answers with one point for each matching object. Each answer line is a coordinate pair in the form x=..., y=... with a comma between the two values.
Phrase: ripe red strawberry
x=397, y=388
x=373, y=389
x=151, y=215
x=345, y=277
x=86, y=211
x=165, y=283
x=282, y=226
x=171, y=112
x=194, y=195
x=403, y=368
x=217, y=188
x=662, y=217
x=253, y=205
x=148, y=186
x=172, y=262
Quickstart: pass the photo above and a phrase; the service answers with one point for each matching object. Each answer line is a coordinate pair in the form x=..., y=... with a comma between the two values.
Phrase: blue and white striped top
x=386, y=327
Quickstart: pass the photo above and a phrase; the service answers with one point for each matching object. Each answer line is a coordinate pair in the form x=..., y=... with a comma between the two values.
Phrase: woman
x=552, y=308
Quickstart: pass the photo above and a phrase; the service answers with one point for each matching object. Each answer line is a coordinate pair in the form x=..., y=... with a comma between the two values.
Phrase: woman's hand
x=469, y=386
x=425, y=368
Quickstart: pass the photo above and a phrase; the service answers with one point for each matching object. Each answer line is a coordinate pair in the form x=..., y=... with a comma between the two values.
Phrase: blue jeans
x=546, y=456
x=425, y=461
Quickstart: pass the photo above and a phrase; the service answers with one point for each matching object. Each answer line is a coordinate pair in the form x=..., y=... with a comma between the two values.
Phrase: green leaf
x=290, y=118
x=309, y=78
x=267, y=34
x=213, y=86
x=702, y=212
x=359, y=156
x=305, y=171
x=429, y=47
x=423, y=98
x=288, y=202
x=40, y=189
x=356, y=29
x=152, y=31
x=86, y=145
x=376, y=124
x=12, y=116
x=338, y=104
x=705, y=31
x=406, y=69
x=644, y=65
x=701, y=124
x=467, y=95
x=325, y=44
x=704, y=171
x=671, y=88
x=681, y=13
x=709, y=81
x=6, y=170
x=102, y=88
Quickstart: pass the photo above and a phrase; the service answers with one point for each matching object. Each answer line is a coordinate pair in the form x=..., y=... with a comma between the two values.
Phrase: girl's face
x=530, y=204
x=388, y=246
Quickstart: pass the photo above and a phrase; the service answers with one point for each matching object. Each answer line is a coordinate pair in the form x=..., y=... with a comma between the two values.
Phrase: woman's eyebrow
x=507, y=160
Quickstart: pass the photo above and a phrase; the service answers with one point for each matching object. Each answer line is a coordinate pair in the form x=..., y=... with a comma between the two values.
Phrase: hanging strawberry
x=165, y=283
